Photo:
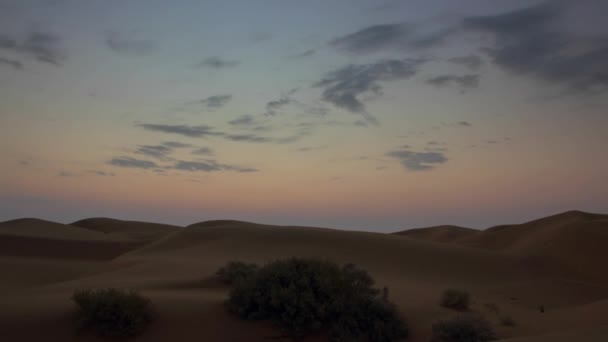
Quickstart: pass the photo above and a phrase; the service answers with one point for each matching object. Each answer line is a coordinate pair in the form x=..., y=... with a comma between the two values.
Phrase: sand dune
x=175, y=266
x=558, y=240
x=29, y=227
x=130, y=230
x=445, y=233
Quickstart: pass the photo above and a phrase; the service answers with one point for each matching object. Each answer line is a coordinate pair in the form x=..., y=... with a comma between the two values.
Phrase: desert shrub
x=463, y=329
x=236, y=271
x=507, y=321
x=455, y=299
x=113, y=312
x=304, y=296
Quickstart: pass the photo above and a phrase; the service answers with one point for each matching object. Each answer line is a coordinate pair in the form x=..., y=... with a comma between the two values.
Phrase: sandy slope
x=130, y=230
x=445, y=233
x=574, y=240
x=44, y=229
x=176, y=271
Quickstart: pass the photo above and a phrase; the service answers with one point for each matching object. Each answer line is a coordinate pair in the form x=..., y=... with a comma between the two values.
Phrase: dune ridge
x=556, y=262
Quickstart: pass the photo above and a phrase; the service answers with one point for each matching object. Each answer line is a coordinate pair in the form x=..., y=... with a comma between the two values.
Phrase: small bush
x=463, y=329
x=455, y=299
x=113, y=312
x=305, y=296
x=236, y=271
x=507, y=321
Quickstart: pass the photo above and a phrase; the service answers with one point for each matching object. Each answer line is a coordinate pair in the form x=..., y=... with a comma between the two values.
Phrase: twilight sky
x=355, y=114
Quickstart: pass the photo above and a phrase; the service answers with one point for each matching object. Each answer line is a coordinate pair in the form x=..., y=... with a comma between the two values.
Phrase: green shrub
x=463, y=329
x=455, y=299
x=113, y=312
x=305, y=296
x=236, y=271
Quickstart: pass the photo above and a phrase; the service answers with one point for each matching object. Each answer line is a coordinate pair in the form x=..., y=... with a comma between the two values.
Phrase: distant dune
x=573, y=239
x=445, y=233
x=131, y=230
x=28, y=227
x=557, y=262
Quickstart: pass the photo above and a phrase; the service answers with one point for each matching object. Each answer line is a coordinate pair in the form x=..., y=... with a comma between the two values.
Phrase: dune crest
x=555, y=262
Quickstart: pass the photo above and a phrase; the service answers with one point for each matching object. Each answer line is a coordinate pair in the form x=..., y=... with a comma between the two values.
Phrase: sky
x=353, y=114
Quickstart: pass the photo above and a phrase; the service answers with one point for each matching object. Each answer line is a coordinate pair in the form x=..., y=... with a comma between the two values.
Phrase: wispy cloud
x=536, y=41
x=418, y=161
x=216, y=101
x=209, y=166
x=11, y=63
x=472, y=62
x=206, y=131
x=463, y=82
x=342, y=87
x=132, y=163
x=304, y=54
x=243, y=121
x=216, y=62
x=394, y=36
x=155, y=151
x=185, y=130
x=129, y=46
x=312, y=148
x=43, y=47
x=374, y=38
x=252, y=138
x=202, y=151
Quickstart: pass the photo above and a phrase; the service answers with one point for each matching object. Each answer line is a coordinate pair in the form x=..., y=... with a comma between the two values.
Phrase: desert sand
x=558, y=262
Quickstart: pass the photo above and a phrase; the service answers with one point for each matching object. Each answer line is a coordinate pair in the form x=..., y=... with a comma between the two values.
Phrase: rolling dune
x=509, y=270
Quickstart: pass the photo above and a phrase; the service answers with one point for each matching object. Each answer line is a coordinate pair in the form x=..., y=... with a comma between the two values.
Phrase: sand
x=557, y=262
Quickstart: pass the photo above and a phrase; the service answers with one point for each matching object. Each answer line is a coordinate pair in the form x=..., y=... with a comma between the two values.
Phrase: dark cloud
x=252, y=138
x=542, y=41
x=312, y=148
x=243, y=121
x=206, y=131
x=343, y=86
x=203, y=151
x=218, y=63
x=12, y=63
x=273, y=106
x=132, y=163
x=217, y=101
x=261, y=36
x=155, y=151
x=396, y=36
x=103, y=173
x=418, y=161
x=185, y=130
x=41, y=46
x=462, y=82
x=65, y=174
x=249, y=122
x=304, y=54
x=175, y=144
x=127, y=46
x=374, y=38
x=472, y=62
x=464, y=123
x=209, y=166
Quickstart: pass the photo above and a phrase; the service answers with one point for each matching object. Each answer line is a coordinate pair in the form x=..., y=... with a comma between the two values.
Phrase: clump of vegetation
x=306, y=296
x=236, y=271
x=113, y=312
x=463, y=329
x=507, y=321
x=455, y=299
